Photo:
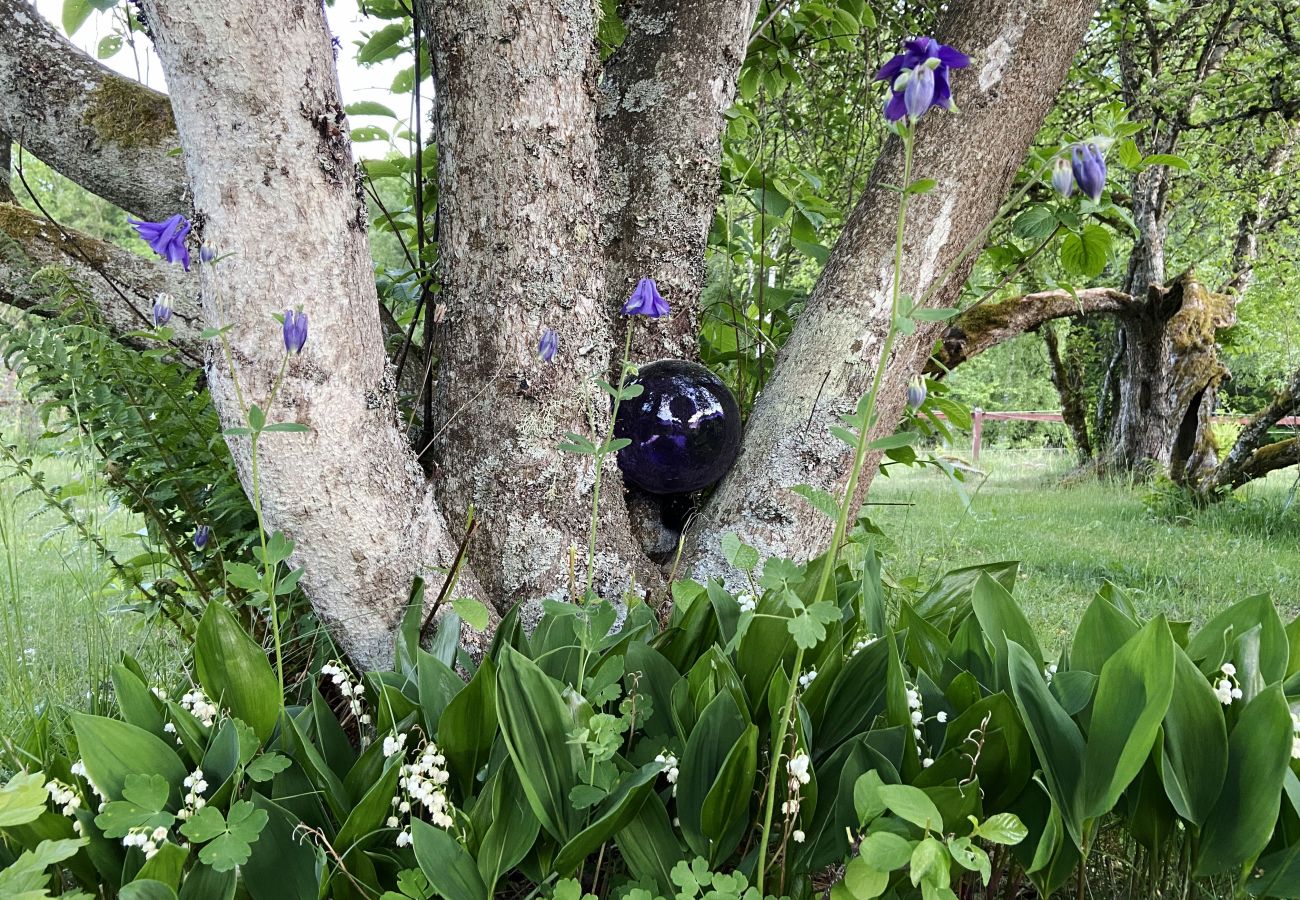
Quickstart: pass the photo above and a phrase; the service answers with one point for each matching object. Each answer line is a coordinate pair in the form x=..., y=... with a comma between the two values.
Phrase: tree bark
x=988, y=325
x=111, y=135
x=1020, y=55
x=662, y=99
x=1249, y=454
x=119, y=285
x=257, y=106
x=1066, y=382
x=1169, y=374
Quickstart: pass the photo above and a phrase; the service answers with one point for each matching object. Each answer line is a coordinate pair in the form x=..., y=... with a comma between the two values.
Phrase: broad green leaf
x=650, y=846
x=469, y=725
x=512, y=832
x=282, y=865
x=369, y=108
x=1167, y=159
x=535, y=724
x=621, y=807
x=1035, y=223
x=1000, y=617
x=1087, y=253
x=1259, y=754
x=447, y=865
x=147, y=889
x=1194, y=755
x=912, y=804
x=383, y=44
x=1002, y=828
x=725, y=815
x=1102, y=631
x=234, y=670
x=863, y=881
x=885, y=851
x=1208, y=645
x=1055, y=737
x=227, y=840
x=1132, y=697
x=718, y=730
x=114, y=750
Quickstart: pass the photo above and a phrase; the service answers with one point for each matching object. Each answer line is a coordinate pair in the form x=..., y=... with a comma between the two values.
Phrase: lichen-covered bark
x=1259, y=462
x=1073, y=410
x=257, y=107
x=1020, y=55
x=989, y=324
x=519, y=246
x=120, y=285
x=111, y=135
x=662, y=98
x=1169, y=373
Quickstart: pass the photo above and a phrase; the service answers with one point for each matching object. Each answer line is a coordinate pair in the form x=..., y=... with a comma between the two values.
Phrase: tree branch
x=109, y=134
x=1021, y=54
x=662, y=98
x=1249, y=454
x=988, y=325
x=29, y=242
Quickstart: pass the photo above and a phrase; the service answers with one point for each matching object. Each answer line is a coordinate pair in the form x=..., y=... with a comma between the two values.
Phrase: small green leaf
x=296, y=427
x=256, y=418
x=1167, y=159
x=912, y=804
x=864, y=882
x=474, y=612
x=921, y=186
x=267, y=766
x=738, y=553
x=22, y=800
x=1002, y=828
x=227, y=841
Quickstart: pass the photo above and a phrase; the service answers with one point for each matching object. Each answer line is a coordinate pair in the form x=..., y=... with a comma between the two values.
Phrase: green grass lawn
x=59, y=629
x=1070, y=538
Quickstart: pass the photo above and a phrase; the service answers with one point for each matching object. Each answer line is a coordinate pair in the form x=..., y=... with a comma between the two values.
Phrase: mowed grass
x=1071, y=537
x=62, y=625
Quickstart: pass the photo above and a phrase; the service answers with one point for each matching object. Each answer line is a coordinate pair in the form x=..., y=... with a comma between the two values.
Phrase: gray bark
x=662, y=97
x=120, y=285
x=111, y=135
x=256, y=103
x=1020, y=55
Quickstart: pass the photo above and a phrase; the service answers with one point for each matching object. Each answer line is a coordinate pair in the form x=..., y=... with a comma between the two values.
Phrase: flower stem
x=778, y=743
x=601, y=452
x=270, y=571
x=869, y=413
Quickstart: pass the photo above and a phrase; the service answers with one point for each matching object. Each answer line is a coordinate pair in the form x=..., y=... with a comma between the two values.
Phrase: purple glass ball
x=684, y=428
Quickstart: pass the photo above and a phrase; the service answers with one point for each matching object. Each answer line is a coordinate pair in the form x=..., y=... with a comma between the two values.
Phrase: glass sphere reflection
x=684, y=428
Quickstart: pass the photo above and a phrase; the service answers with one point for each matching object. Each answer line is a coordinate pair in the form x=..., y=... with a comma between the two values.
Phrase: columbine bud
x=919, y=92
x=295, y=331
x=207, y=254
x=201, y=536
x=646, y=301
x=548, y=345
x=916, y=392
x=162, y=309
x=1089, y=168
x=1062, y=177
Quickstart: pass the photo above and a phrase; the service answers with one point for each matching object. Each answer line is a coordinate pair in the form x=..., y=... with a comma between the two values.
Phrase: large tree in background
x=1216, y=83
x=562, y=179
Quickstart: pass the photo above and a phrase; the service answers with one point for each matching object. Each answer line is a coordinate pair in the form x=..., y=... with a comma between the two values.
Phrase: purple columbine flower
x=207, y=254
x=162, y=309
x=916, y=392
x=1062, y=177
x=548, y=345
x=202, y=535
x=918, y=78
x=1089, y=168
x=646, y=301
x=295, y=330
x=167, y=238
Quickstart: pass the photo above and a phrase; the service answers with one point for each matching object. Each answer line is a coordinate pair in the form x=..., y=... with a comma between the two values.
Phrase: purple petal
x=890, y=69
x=942, y=90
x=953, y=59
x=896, y=108
x=919, y=92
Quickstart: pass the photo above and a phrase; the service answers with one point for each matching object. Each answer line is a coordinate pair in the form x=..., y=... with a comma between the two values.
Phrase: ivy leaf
x=228, y=841
x=144, y=797
x=267, y=766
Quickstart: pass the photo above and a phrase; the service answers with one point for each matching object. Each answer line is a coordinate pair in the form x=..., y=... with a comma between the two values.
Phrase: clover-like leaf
x=267, y=766
x=142, y=806
x=227, y=841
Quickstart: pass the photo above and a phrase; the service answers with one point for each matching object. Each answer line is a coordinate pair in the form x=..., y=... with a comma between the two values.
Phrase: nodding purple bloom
x=202, y=535
x=162, y=309
x=646, y=301
x=207, y=254
x=295, y=330
x=1062, y=177
x=918, y=78
x=548, y=345
x=167, y=238
x=1089, y=168
x=916, y=392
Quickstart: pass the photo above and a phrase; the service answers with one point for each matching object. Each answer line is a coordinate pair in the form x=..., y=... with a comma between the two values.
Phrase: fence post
x=977, y=426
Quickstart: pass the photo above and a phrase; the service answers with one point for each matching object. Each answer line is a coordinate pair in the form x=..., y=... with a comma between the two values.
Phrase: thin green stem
x=778, y=743
x=868, y=417
x=266, y=567
x=601, y=453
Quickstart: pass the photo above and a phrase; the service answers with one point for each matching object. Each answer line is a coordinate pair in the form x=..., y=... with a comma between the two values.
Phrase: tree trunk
x=1020, y=55
x=1066, y=382
x=256, y=104
x=1169, y=375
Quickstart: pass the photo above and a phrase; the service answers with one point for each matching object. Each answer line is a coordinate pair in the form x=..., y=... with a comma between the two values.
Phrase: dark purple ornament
x=684, y=428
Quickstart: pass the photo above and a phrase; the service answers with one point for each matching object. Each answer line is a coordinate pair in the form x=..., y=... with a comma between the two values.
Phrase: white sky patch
x=358, y=82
